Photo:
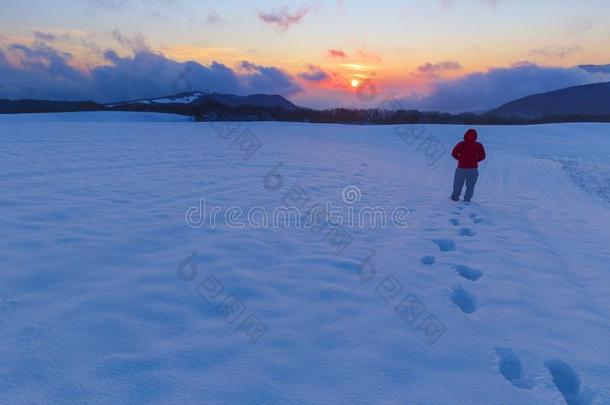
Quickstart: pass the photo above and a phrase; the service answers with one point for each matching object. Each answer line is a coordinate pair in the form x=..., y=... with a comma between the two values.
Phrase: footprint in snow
x=468, y=273
x=567, y=381
x=467, y=232
x=476, y=218
x=511, y=369
x=427, y=260
x=445, y=245
x=464, y=300
x=455, y=221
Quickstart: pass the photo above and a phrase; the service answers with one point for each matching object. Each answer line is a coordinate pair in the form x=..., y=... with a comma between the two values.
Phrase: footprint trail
x=468, y=273
x=568, y=383
x=467, y=232
x=464, y=300
x=445, y=245
x=511, y=369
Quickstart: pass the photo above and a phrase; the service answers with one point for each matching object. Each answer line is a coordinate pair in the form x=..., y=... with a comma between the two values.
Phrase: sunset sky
x=451, y=55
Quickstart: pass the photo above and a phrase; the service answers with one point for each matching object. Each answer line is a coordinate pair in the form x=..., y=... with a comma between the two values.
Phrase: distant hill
x=196, y=98
x=184, y=103
x=588, y=100
x=576, y=104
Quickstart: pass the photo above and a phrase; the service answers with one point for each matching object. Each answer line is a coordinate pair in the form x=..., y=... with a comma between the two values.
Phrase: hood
x=470, y=135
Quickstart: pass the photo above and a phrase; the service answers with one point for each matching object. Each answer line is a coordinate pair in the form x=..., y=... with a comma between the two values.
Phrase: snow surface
x=92, y=235
x=177, y=100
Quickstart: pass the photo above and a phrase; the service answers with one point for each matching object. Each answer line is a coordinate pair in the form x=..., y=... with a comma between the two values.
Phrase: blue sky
x=318, y=53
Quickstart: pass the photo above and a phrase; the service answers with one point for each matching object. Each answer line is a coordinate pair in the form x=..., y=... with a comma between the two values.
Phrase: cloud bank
x=43, y=72
x=435, y=68
x=483, y=91
x=314, y=74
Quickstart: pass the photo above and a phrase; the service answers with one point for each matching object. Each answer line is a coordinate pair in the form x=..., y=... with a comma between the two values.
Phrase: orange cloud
x=336, y=53
x=283, y=19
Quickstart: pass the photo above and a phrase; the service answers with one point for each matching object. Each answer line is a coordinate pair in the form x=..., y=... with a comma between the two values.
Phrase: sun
x=355, y=83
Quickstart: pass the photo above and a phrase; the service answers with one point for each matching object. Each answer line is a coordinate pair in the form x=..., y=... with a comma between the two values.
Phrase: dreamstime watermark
x=351, y=195
x=292, y=214
x=409, y=308
x=238, y=137
x=227, y=305
x=405, y=304
x=234, y=133
x=335, y=235
x=416, y=135
x=413, y=135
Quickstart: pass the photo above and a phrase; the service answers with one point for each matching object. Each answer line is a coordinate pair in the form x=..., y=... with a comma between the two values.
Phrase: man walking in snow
x=468, y=153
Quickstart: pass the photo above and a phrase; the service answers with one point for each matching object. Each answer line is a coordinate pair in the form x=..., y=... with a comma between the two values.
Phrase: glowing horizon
x=314, y=52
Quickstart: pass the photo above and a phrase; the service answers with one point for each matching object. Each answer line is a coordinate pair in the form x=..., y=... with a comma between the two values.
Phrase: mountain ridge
x=230, y=100
x=588, y=99
x=585, y=103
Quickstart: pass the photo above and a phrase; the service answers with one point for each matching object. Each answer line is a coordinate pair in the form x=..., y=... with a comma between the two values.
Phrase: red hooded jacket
x=469, y=152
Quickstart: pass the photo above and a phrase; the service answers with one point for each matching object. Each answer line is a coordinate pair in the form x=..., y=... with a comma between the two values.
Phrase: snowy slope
x=228, y=100
x=100, y=301
x=182, y=99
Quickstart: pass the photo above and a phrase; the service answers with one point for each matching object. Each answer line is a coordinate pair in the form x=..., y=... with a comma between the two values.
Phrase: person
x=468, y=153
